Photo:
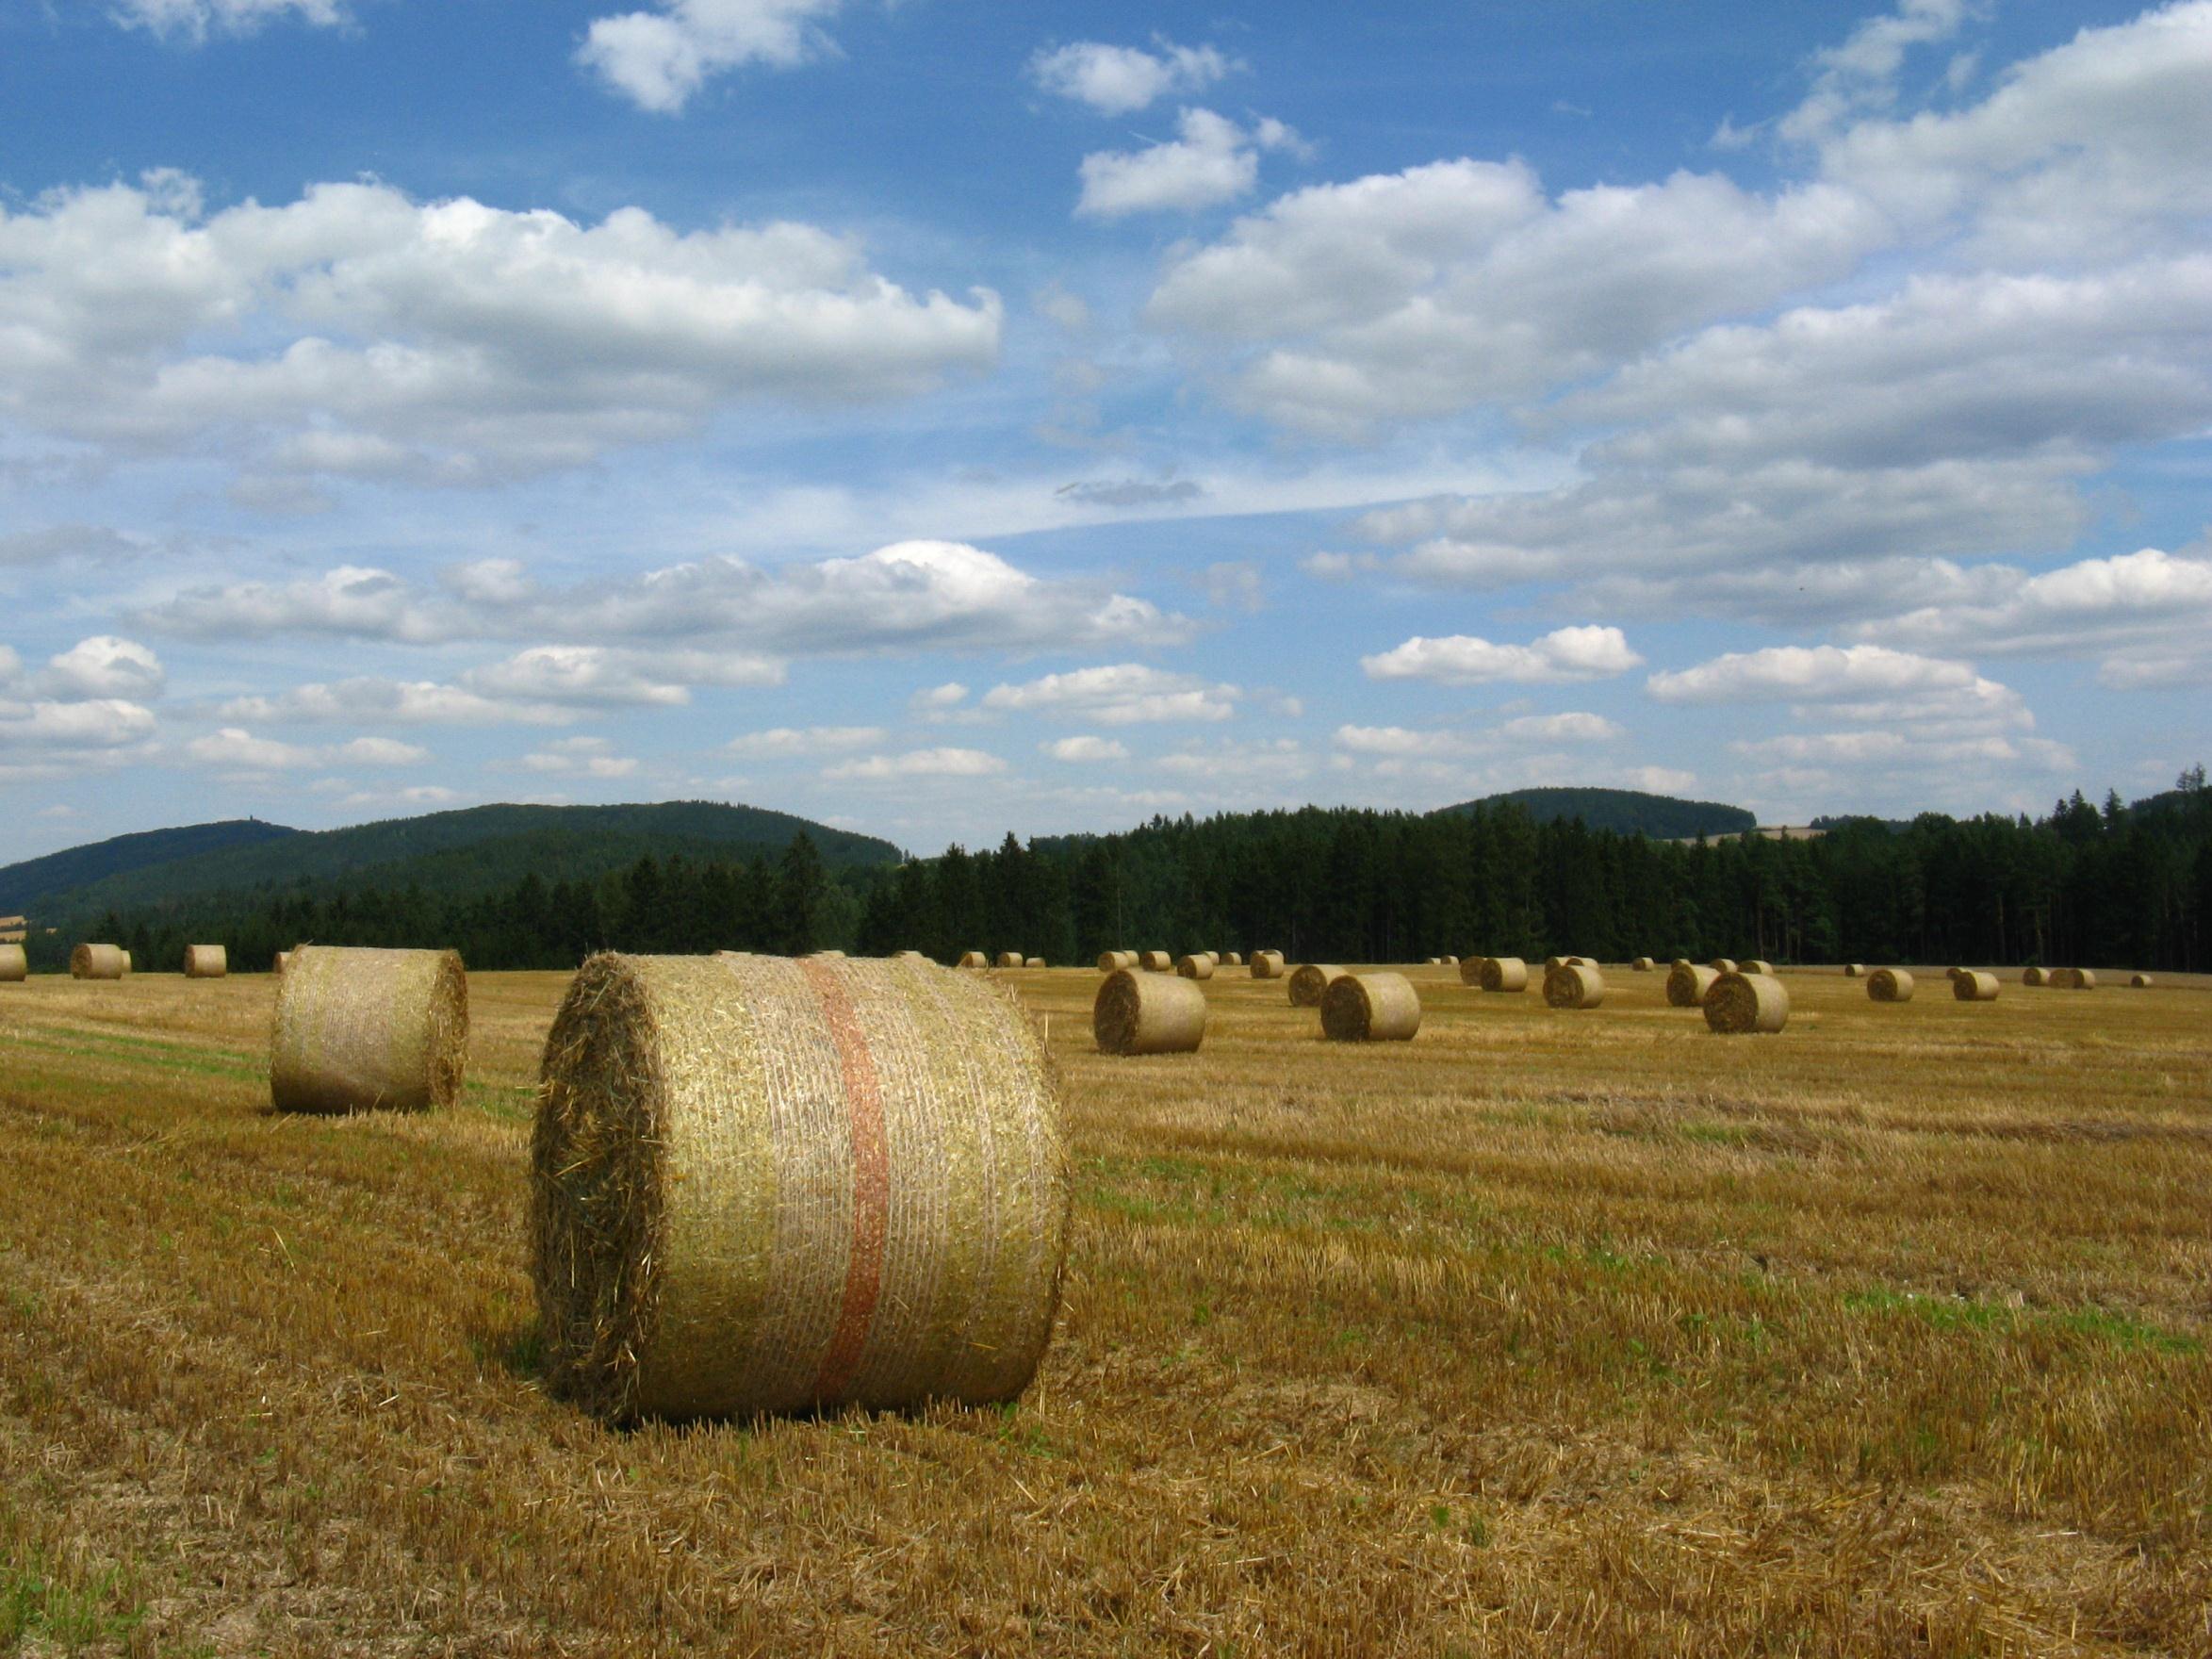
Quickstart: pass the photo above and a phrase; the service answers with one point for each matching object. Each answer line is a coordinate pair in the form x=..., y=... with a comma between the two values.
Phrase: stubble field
x=1550, y=1333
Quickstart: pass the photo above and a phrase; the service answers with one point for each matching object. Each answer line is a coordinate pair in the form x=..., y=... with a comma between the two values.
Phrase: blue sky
x=943, y=418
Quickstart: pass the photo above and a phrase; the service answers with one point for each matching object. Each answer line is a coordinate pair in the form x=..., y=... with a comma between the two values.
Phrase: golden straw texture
x=1574, y=985
x=1148, y=1013
x=1200, y=966
x=15, y=969
x=1972, y=987
x=1687, y=984
x=1504, y=973
x=764, y=1186
x=99, y=962
x=207, y=962
x=357, y=1030
x=1371, y=1008
x=1739, y=1004
x=1309, y=980
x=1890, y=985
x=1267, y=964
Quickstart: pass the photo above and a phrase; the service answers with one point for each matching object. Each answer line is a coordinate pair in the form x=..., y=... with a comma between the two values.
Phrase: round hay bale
x=759, y=1185
x=1199, y=966
x=1450, y=962
x=2033, y=977
x=1739, y=1004
x=1504, y=973
x=14, y=968
x=1470, y=970
x=2081, y=978
x=1034, y=961
x=1232, y=959
x=973, y=959
x=357, y=1030
x=1642, y=965
x=1854, y=970
x=1890, y=985
x=1574, y=985
x=1113, y=961
x=1010, y=959
x=1371, y=1008
x=207, y=962
x=2135, y=981
x=1954, y=973
x=1759, y=965
x=1148, y=1013
x=1155, y=961
x=1309, y=980
x=1687, y=985
x=1552, y=962
x=99, y=962
x=1972, y=987
x=1267, y=964
x=1723, y=964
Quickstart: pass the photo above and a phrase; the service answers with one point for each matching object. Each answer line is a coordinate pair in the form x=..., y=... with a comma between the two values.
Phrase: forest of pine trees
x=2113, y=888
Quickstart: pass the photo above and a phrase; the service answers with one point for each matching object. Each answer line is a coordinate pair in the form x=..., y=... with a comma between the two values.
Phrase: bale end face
x=1310, y=981
x=1739, y=1004
x=1148, y=1013
x=1470, y=970
x=1371, y=1008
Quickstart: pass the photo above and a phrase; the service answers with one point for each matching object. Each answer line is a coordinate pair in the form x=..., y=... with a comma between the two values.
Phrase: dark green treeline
x=2114, y=888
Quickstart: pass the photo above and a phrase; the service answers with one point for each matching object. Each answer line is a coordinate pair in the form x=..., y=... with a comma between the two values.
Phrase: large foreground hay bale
x=1371, y=1008
x=1723, y=964
x=1309, y=980
x=207, y=962
x=1969, y=986
x=1759, y=965
x=1574, y=985
x=1642, y=965
x=1155, y=961
x=973, y=959
x=1504, y=973
x=1890, y=985
x=2033, y=977
x=99, y=962
x=1198, y=965
x=2135, y=981
x=1687, y=985
x=1267, y=964
x=360, y=1029
x=1148, y=1013
x=765, y=1186
x=1739, y=1004
x=14, y=968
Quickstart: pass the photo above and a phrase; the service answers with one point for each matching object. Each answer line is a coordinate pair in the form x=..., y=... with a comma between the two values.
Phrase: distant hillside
x=29, y=887
x=1628, y=812
x=477, y=851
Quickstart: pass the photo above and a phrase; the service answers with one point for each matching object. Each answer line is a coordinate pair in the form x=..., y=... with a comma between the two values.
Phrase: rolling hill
x=31, y=886
x=1628, y=812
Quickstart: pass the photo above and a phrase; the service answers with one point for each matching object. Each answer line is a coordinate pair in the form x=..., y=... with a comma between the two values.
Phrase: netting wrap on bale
x=1739, y=1004
x=1687, y=984
x=359, y=1030
x=1147, y=1013
x=1198, y=966
x=1371, y=1008
x=1890, y=985
x=1969, y=986
x=1267, y=964
x=1504, y=973
x=1573, y=985
x=99, y=962
x=1309, y=980
x=14, y=968
x=207, y=962
x=766, y=1185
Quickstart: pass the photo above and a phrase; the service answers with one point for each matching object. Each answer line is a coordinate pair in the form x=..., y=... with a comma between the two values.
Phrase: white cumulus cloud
x=1085, y=749
x=1119, y=80
x=920, y=763
x=1122, y=693
x=659, y=58
x=1211, y=161
x=1563, y=654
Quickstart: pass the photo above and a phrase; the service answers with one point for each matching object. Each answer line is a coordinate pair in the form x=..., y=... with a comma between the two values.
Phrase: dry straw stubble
x=1148, y=1013
x=1739, y=1004
x=99, y=962
x=207, y=962
x=1687, y=984
x=360, y=1030
x=1889, y=985
x=1371, y=1008
x=1309, y=980
x=767, y=1186
x=1570, y=985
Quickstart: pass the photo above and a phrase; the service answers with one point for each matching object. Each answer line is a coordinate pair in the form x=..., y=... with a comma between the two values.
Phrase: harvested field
x=1533, y=1336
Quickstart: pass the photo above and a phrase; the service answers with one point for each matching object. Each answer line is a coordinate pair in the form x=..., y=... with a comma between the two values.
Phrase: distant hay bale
x=973, y=959
x=1034, y=961
x=1574, y=985
x=1890, y=985
x=2033, y=977
x=1504, y=973
x=282, y=962
x=1155, y=961
x=1231, y=959
x=99, y=962
x=1470, y=970
x=1309, y=980
x=1267, y=964
x=1854, y=970
x=1371, y=1008
x=1759, y=965
x=1687, y=984
x=1642, y=965
x=1955, y=973
x=207, y=962
x=765, y=1186
x=2135, y=981
x=1113, y=961
x=127, y=965
x=14, y=968
x=1552, y=962
x=1011, y=958
x=358, y=1030
x=1198, y=965
x=1969, y=986
x=1148, y=1013
x=2078, y=980
x=1723, y=964
x=1739, y=1004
